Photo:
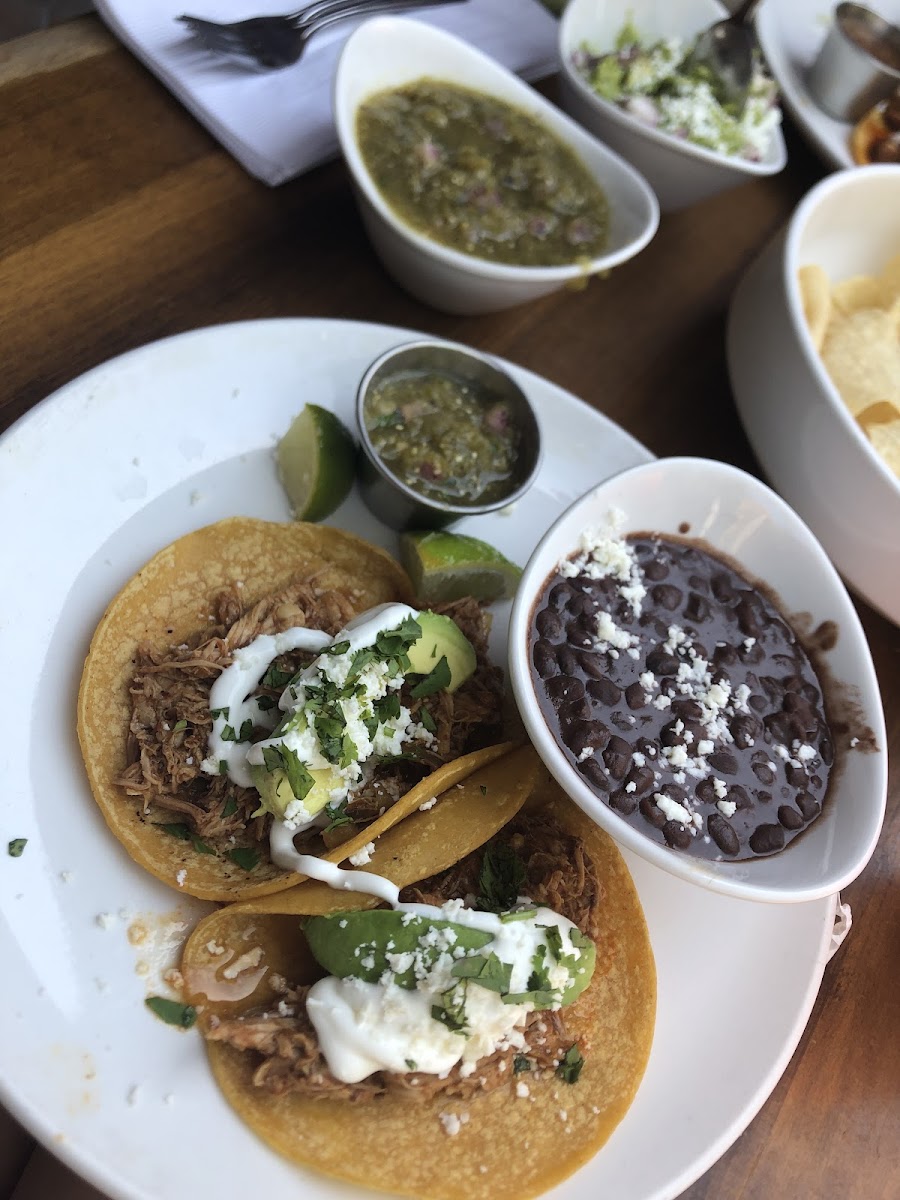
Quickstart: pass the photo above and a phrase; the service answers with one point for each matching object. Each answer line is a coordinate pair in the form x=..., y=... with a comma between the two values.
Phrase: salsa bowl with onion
x=388, y=53
x=752, y=565
x=680, y=171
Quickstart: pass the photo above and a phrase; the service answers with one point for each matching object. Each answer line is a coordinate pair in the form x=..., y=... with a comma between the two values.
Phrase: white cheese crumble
x=672, y=810
x=428, y=804
x=105, y=920
x=363, y=856
x=522, y=1090
x=726, y=807
x=180, y=877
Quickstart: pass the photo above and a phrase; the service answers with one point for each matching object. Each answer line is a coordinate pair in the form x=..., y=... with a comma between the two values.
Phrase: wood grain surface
x=122, y=221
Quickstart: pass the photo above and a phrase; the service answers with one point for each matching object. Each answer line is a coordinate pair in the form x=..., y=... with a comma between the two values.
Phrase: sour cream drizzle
x=366, y=1027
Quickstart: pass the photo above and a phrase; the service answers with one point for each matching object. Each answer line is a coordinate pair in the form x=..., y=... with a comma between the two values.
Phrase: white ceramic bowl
x=739, y=516
x=679, y=172
x=809, y=445
x=388, y=52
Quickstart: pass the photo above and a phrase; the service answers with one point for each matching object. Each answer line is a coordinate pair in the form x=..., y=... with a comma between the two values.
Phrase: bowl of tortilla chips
x=814, y=358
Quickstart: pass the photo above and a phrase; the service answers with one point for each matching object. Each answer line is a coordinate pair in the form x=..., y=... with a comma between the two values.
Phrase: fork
x=275, y=42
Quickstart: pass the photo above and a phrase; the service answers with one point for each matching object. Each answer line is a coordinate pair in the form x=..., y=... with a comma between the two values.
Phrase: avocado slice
x=335, y=941
x=442, y=638
x=275, y=792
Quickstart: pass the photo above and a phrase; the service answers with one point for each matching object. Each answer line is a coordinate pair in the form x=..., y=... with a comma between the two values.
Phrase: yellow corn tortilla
x=165, y=603
x=509, y=1148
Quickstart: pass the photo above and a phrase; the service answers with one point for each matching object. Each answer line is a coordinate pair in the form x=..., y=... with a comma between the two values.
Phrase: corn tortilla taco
x=344, y=708
x=517, y=1113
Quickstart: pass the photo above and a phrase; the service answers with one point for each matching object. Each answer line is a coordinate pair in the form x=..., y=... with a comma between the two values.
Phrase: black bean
x=763, y=772
x=617, y=756
x=796, y=776
x=623, y=802
x=745, y=729
x=763, y=797
x=778, y=728
x=826, y=751
x=749, y=617
x=723, y=761
x=660, y=662
x=789, y=817
x=563, y=688
x=766, y=839
x=560, y=594
x=592, y=664
x=651, y=813
x=700, y=584
x=725, y=655
x=634, y=696
x=697, y=608
x=676, y=835
x=670, y=736
x=688, y=710
x=549, y=624
x=544, y=659
x=568, y=663
x=665, y=595
x=772, y=688
x=582, y=734
x=655, y=570
x=623, y=721
x=739, y=796
x=808, y=805
x=705, y=791
x=723, y=588
x=605, y=691
x=642, y=778
x=758, y=703
x=593, y=772
x=722, y=833
x=575, y=710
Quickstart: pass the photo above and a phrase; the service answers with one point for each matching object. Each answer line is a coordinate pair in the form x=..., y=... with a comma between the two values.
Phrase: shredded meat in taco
x=553, y=868
x=171, y=719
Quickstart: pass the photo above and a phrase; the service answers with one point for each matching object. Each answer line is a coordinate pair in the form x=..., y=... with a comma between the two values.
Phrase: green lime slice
x=446, y=566
x=316, y=463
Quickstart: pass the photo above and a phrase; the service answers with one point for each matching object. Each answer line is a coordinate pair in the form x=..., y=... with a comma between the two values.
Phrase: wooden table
x=122, y=221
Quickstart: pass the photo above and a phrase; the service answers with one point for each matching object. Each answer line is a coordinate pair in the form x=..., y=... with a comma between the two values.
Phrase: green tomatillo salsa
x=445, y=438
x=480, y=176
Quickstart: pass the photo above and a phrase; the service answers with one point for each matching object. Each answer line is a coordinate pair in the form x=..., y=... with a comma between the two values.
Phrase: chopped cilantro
x=246, y=731
x=264, y=703
x=518, y=914
x=230, y=807
x=178, y=830
x=337, y=648
x=411, y=1064
x=452, y=1009
x=427, y=720
x=223, y=766
x=173, y=1012
x=488, y=971
x=570, y=1067
x=276, y=678
x=349, y=752
x=16, y=846
x=179, y=725
x=502, y=875
x=299, y=779
x=228, y=734
x=520, y=1064
x=272, y=758
x=336, y=817
x=438, y=679
x=218, y=712
x=245, y=857
x=201, y=847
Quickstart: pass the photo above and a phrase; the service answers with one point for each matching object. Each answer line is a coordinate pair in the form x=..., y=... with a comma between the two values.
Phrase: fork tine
x=215, y=38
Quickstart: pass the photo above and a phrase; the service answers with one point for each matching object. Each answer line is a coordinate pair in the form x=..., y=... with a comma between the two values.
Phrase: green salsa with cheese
x=480, y=176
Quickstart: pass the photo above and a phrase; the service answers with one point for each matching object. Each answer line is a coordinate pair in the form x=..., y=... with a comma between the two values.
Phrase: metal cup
x=846, y=80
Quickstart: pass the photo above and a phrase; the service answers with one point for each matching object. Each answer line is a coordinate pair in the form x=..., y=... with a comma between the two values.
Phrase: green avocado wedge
x=442, y=638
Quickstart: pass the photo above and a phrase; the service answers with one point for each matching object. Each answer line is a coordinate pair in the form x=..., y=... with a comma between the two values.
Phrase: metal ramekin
x=846, y=80
x=393, y=501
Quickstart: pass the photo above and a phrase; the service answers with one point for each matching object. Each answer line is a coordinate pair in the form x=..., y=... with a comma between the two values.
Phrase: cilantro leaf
x=276, y=678
x=570, y=1067
x=437, y=680
x=228, y=734
x=16, y=846
x=299, y=779
x=179, y=725
x=428, y=722
x=173, y=1012
x=215, y=713
x=178, y=830
x=411, y=1064
x=488, y=971
x=246, y=731
x=230, y=807
x=520, y=1064
x=264, y=703
x=518, y=914
x=223, y=766
x=349, y=752
x=337, y=648
x=501, y=877
x=336, y=817
x=201, y=847
x=452, y=1009
x=272, y=758
x=245, y=857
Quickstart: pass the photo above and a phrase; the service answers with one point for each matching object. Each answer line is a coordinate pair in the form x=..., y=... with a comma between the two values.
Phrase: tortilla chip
x=164, y=604
x=861, y=353
x=885, y=438
x=815, y=293
x=510, y=1148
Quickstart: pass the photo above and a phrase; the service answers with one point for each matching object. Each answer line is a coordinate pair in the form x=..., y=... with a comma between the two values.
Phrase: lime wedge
x=446, y=566
x=316, y=463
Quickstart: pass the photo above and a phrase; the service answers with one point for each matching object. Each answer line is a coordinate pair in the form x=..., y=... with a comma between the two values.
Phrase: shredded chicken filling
x=171, y=722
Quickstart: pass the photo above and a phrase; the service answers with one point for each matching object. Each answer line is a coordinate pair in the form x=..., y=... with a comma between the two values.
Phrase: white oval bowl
x=679, y=172
x=809, y=445
x=739, y=516
x=389, y=52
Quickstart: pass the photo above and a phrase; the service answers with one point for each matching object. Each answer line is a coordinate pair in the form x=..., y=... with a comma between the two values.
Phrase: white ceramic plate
x=97, y=478
x=791, y=33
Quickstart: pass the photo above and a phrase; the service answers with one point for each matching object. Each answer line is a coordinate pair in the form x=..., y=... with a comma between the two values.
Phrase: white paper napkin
x=279, y=123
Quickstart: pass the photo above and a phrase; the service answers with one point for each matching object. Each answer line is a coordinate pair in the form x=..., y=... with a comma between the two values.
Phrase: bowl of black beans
x=692, y=671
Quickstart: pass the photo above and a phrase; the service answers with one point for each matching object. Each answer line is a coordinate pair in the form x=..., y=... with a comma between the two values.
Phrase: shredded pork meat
x=559, y=874
x=171, y=722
